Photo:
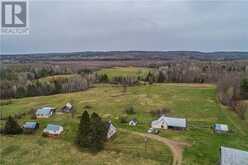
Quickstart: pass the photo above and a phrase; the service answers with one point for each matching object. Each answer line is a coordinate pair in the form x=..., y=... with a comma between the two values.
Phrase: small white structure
x=231, y=156
x=169, y=122
x=67, y=108
x=44, y=112
x=221, y=128
x=132, y=123
x=53, y=130
x=111, y=130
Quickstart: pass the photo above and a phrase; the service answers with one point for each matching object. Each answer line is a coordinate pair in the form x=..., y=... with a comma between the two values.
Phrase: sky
x=148, y=25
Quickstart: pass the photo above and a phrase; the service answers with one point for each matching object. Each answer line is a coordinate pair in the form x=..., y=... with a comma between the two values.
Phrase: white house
x=111, y=130
x=53, y=130
x=169, y=122
x=132, y=123
x=44, y=112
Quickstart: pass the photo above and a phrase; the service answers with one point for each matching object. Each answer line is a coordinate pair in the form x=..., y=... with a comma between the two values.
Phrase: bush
x=130, y=110
x=242, y=110
x=159, y=112
x=12, y=127
x=5, y=102
x=87, y=107
x=123, y=119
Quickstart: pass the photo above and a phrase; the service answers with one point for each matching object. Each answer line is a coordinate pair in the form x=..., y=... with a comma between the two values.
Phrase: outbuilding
x=111, y=130
x=169, y=122
x=30, y=127
x=53, y=130
x=231, y=156
x=133, y=122
x=221, y=128
x=44, y=112
x=67, y=108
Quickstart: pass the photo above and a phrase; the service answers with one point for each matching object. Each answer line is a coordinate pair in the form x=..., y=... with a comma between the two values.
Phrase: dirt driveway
x=176, y=147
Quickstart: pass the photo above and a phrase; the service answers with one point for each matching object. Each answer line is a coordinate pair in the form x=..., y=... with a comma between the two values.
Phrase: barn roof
x=231, y=156
x=173, y=121
x=221, y=127
x=30, y=125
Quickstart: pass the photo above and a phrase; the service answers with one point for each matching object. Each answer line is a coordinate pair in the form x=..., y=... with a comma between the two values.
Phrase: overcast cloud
x=65, y=26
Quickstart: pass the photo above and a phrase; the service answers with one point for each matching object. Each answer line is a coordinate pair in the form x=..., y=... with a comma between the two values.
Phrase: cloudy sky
x=94, y=25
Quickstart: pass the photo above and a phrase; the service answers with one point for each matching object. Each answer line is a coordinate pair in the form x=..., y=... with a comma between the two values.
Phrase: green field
x=125, y=71
x=196, y=102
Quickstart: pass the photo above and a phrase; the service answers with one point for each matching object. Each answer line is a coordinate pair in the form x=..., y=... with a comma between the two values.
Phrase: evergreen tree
x=83, y=131
x=98, y=132
x=161, y=77
x=12, y=127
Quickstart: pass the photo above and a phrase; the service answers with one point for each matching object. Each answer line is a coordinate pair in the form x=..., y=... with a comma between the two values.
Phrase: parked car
x=153, y=131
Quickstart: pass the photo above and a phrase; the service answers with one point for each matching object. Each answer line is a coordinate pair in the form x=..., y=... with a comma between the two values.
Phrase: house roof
x=231, y=156
x=133, y=120
x=30, y=125
x=111, y=127
x=44, y=111
x=221, y=127
x=53, y=127
x=172, y=121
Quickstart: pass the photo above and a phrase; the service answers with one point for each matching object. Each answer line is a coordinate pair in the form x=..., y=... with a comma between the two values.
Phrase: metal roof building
x=230, y=156
x=53, y=129
x=44, y=112
x=170, y=122
x=221, y=128
x=30, y=125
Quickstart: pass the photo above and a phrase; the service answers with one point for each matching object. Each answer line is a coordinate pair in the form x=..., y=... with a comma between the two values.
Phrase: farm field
x=195, y=102
x=125, y=71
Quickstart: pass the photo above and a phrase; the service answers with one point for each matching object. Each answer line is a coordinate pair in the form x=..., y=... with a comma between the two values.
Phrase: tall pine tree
x=98, y=132
x=12, y=127
x=83, y=130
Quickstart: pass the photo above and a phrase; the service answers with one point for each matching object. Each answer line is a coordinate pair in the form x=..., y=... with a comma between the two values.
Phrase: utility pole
x=145, y=143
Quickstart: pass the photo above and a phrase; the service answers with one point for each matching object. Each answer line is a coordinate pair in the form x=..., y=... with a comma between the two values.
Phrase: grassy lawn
x=35, y=149
x=125, y=71
x=196, y=103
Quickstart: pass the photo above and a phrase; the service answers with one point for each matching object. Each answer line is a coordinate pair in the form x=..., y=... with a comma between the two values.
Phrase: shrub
x=5, y=102
x=87, y=107
x=123, y=119
x=130, y=110
x=159, y=112
x=242, y=110
x=12, y=127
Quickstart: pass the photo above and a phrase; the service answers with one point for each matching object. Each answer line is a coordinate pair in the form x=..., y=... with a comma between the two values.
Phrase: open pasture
x=196, y=103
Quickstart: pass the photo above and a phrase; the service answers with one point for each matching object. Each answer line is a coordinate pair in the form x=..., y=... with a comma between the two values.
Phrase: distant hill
x=129, y=55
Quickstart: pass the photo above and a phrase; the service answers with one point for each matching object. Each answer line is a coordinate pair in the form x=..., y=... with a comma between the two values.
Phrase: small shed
x=221, y=128
x=53, y=130
x=133, y=122
x=44, y=112
x=30, y=127
x=111, y=130
x=169, y=122
x=67, y=108
x=231, y=156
